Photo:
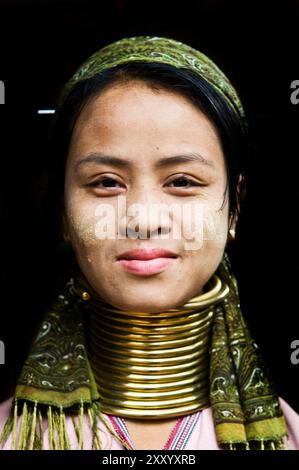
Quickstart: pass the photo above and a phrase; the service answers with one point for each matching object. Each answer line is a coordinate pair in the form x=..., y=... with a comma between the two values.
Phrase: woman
x=146, y=346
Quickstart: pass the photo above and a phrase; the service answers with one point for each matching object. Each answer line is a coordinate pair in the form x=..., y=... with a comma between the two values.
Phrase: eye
x=183, y=182
x=105, y=182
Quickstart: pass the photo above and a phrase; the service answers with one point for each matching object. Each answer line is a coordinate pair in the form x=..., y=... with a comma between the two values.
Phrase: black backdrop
x=256, y=44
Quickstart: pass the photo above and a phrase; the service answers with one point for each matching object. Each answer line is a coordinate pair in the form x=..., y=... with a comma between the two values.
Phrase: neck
x=149, y=365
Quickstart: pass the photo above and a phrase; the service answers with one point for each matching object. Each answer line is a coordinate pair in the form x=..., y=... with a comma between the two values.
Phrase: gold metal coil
x=169, y=329
x=150, y=322
x=138, y=386
x=167, y=315
x=153, y=353
x=150, y=370
x=152, y=365
x=123, y=375
x=152, y=404
x=147, y=338
x=109, y=341
x=149, y=395
x=150, y=361
x=157, y=413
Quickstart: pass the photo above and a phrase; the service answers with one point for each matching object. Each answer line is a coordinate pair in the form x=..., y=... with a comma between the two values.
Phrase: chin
x=145, y=305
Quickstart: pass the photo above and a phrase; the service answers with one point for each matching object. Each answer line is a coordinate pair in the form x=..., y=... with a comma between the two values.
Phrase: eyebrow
x=163, y=162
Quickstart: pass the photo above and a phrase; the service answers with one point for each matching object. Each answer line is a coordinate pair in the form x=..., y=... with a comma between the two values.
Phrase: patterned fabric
x=58, y=370
x=178, y=438
x=244, y=404
x=161, y=50
x=57, y=379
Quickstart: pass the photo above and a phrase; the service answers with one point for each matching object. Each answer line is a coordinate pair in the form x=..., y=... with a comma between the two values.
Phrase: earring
x=231, y=235
x=85, y=295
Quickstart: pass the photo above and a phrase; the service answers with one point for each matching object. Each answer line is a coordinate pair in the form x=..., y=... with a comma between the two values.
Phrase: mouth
x=146, y=262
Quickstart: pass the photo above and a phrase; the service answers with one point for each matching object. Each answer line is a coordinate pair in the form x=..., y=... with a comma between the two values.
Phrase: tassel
x=81, y=414
x=56, y=430
x=50, y=428
x=91, y=428
x=15, y=425
x=41, y=431
x=79, y=427
x=279, y=445
x=101, y=417
x=61, y=430
x=96, y=441
x=233, y=446
x=67, y=444
x=24, y=428
x=33, y=426
x=38, y=432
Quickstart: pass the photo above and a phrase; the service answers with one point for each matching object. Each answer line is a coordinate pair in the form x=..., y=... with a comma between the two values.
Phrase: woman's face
x=145, y=172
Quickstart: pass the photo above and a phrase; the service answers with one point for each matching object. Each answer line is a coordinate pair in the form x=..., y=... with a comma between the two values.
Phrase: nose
x=152, y=223
x=146, y=217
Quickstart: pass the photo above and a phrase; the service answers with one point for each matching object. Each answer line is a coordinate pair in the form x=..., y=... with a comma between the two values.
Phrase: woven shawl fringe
x=25, y=426
x=255, y=445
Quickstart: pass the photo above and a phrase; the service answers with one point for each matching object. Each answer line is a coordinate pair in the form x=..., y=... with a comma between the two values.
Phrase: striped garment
x=177, y=439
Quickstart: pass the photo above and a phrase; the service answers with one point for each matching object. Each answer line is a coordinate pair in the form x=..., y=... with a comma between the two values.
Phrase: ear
x=65, y=231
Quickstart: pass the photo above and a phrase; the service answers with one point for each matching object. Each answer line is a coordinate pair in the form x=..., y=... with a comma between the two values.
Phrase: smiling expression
x=153, y=148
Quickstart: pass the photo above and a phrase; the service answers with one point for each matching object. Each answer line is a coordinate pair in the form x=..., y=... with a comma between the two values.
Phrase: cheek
x=82, y=220
x=215, y=226
x=81, y=228
x=202, y=222
x=203, y=254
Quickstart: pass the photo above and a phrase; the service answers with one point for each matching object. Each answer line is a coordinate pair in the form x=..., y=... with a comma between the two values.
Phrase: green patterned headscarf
x=160, y=50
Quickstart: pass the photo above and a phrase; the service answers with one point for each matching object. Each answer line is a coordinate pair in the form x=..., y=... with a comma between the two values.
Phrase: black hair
x=226, y=121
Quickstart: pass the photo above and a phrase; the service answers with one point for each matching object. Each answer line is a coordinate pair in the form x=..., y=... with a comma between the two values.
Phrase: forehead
x=128, y=117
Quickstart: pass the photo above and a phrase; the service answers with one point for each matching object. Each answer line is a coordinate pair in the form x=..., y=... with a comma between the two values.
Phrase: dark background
x=256, y=44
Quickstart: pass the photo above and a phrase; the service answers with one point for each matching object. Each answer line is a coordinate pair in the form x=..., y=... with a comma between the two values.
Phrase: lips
x=145, y=255
x=146, y=262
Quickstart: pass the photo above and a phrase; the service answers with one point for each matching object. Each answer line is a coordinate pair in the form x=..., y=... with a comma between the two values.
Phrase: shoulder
x=292, y=421
x=5, y=409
